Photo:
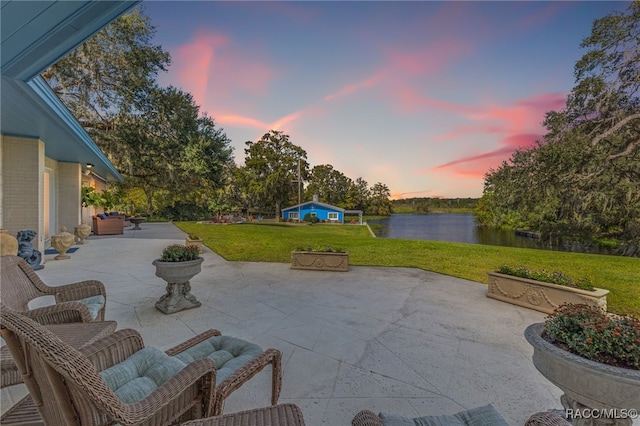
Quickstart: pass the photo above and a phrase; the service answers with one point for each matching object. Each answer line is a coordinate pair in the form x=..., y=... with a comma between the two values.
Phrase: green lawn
x=273, y=242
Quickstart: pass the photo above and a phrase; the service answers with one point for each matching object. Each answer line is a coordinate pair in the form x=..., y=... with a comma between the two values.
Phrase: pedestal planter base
x=178, y=298
x=320, y=261
x=596, y=393
x=541, y=296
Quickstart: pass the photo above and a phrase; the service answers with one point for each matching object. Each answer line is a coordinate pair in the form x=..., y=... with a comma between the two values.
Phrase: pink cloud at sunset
x=477, y=165
x=353, y=87
x=193, y=63
x=210, y=69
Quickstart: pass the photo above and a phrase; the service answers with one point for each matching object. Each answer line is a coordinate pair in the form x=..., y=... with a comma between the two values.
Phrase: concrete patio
x=385, y=339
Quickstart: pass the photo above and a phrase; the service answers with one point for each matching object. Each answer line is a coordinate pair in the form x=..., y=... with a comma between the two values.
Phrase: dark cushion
x=480, y=416
x=102, y=215
x=114, y=214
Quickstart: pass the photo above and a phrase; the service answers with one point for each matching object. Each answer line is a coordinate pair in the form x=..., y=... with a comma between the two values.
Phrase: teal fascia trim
x=42, y=89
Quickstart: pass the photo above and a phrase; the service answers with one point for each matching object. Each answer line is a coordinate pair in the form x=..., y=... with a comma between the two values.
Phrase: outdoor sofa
x=108, y=224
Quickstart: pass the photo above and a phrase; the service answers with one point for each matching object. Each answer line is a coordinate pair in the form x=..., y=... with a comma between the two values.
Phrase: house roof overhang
x=35, y=34
x=325, y=205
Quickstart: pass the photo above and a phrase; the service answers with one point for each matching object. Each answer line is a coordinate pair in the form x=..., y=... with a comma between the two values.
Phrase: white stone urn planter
x=178, y=295
x=541, y=296
x=589, y=387
x=320, y=261
x=62, y=242
x=81, y=232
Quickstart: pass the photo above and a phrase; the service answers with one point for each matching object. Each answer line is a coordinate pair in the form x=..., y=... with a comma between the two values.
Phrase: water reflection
x=462, y=228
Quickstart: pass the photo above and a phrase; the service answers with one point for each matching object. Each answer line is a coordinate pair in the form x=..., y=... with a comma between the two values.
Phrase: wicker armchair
x=67, y=388
x=93, y=386
x=80, y=302
x=77, y=302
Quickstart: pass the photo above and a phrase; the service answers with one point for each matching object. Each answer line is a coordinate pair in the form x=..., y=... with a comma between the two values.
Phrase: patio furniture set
x=80, y=370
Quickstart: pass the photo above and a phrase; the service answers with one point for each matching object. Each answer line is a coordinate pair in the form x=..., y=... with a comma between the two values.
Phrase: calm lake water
x=459, y=228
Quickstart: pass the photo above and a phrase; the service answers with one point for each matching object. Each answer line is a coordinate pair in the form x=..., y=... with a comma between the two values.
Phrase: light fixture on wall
x=88, y=169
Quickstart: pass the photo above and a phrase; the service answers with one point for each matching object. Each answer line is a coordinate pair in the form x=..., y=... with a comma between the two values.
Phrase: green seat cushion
x=94, y=303
x=141, y=373
x=480, y=416
x=228, y=353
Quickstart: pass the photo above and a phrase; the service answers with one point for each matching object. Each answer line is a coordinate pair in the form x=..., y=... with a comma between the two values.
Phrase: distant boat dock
x=528, y=234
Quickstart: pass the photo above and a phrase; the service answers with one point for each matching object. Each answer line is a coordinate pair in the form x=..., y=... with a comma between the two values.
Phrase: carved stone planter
x=591, y=389
x=82, y=232
x=193, y=242
x=8, y=244
x=178, y=295
x=62, y=242
x=320, y=261
x=541, y=296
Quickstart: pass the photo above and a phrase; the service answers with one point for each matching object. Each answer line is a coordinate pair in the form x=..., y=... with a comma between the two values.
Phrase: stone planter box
x=541, y=296
x=587, y=385
x=320, y=261
x=191, y=242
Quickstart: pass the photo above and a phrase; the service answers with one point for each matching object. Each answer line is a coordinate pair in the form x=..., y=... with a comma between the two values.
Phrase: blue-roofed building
x=322, y=211
x=45, y=154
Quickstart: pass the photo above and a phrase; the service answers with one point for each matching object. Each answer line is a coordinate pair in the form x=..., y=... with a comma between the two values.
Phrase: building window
x=333, y=216
x=293, y=216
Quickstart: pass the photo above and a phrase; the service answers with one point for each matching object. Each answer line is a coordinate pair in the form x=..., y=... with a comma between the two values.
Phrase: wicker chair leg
x=271, y=357
x=276, y=377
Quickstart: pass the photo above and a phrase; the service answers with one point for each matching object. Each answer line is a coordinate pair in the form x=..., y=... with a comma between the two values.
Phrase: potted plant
x=542, y=290
x=594, y=358
x=320, y=259
x=177, y=265
x=193, y=239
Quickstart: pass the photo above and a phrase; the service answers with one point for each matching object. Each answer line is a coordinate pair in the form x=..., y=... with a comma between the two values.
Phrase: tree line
x=175, y=161
x=582, y=181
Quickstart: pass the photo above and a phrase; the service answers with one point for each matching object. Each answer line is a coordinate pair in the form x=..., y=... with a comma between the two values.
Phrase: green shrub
x=324, y=249
x=180, y=253
x=590, y=332
x=548, y=277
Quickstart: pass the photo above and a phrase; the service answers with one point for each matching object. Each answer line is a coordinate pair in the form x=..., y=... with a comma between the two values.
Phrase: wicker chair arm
x=548, y=418
x=202, y=370
x=191, y=342
x=366, y=418
x=79, y=290
x=60, y=313
x=250, y=369
x=113, y=349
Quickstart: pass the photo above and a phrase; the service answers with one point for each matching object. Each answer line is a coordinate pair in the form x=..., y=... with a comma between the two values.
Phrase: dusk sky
x=424, y=97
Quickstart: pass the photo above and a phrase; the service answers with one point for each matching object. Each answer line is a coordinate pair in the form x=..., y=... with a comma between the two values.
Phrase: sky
x=425, y=97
